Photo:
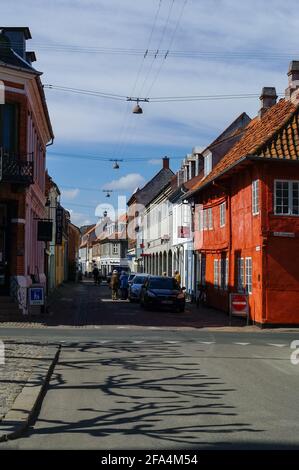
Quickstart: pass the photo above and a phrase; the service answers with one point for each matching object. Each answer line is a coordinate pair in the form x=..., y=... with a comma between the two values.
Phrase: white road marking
x=171, y=342
x=122, y=327
x=207, y=342
x=242, y=344
x=277, y=345
x=138, y=342
x=104, y=341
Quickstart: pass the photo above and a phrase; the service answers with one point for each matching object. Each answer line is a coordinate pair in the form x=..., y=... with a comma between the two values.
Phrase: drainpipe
x=230, y=256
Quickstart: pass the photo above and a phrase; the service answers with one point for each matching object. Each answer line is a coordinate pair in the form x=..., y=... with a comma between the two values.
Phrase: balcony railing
x=14, y=169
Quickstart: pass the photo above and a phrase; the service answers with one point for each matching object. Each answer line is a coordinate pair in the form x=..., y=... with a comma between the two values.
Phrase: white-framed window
x=248, y=275
x=224, y=273
x=255, y=197
x=210, y=218
x=241, y=279
x=216, y=272
x=115, y=248
x=200, y=220
x=205, y=219
x=203, y=269
x=207, y=164
x=286, y=197
x=222, y=214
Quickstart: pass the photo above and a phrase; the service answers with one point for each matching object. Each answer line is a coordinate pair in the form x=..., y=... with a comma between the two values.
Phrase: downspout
x=265, y=234
x=230, y=255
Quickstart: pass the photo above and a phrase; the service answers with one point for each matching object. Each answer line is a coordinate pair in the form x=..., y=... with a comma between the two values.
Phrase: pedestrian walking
x=177, y=277
x=114, y=284
x=124, y=284
x=96, y=274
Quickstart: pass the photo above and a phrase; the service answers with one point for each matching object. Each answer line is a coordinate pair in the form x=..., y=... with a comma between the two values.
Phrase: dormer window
x=207, y=163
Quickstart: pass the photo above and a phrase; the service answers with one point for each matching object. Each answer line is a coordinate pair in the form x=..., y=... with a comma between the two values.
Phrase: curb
x=28, y=401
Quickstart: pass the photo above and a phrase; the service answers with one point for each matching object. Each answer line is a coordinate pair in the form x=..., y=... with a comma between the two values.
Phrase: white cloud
x=70, y=193
x=221, y=27
x=126, y=183
x=79, y=219
x=154, y=161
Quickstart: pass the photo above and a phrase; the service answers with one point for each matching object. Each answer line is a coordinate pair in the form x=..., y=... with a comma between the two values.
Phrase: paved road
x=152, y=387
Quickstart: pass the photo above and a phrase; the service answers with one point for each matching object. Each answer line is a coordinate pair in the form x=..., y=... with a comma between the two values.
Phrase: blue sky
x=233, y=38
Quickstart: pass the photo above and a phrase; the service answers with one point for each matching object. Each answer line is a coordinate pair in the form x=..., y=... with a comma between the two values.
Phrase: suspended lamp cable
x=169, y=47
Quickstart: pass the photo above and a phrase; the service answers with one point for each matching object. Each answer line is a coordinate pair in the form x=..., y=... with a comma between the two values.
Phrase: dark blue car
x=164, y=292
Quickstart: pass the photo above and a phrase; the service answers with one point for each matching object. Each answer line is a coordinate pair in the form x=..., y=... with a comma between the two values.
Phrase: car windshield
x=139, y=279
x=163, y=283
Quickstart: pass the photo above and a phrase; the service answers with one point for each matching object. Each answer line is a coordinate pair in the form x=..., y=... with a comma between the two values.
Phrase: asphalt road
x=152, y=387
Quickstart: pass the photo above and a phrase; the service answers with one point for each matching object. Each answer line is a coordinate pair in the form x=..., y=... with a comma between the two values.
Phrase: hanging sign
x=44, y=231
x=59, y=225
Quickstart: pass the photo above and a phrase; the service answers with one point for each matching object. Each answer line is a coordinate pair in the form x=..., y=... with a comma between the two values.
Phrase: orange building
x=246, y=214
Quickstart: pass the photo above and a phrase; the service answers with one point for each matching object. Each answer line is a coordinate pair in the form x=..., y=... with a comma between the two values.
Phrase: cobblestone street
x=86, y=305
x=21, y=357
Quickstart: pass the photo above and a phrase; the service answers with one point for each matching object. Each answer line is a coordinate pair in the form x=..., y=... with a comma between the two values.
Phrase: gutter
x=246, y=157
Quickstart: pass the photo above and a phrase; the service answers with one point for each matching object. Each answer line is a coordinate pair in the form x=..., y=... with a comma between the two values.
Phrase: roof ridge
x=258, y=133
x=279, y=127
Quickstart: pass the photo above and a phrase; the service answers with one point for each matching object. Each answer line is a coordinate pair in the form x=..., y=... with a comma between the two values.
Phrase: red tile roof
x=281, y=122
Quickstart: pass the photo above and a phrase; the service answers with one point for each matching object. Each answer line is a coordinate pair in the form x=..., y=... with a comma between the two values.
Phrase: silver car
x=135, y=287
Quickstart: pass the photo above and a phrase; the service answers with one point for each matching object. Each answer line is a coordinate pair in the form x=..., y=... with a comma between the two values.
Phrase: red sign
x=239, y=304
x=183, y=232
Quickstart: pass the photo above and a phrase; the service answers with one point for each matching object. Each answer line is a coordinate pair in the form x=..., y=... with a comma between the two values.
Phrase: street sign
x=183, y=232
x=36, y=296
x=44, y=230
x=239, y=305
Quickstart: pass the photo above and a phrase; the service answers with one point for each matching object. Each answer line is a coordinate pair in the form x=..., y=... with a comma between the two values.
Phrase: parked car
x=131, y=277
x=159, y=291
x=135, y=287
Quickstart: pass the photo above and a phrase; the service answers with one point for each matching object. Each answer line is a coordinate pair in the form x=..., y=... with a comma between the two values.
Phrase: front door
x=4, y=265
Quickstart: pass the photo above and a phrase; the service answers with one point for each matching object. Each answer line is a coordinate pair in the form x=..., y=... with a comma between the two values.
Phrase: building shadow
x=146, y=392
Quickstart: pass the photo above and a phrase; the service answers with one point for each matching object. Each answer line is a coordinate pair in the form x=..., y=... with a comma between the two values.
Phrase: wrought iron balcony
x=14, y=169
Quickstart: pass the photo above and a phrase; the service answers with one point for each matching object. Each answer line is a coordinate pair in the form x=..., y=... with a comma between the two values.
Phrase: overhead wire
x=125, y=127
x=157, y=99
x=158, y=46
x=100, y=158
x=168, y=49
x=251, y=54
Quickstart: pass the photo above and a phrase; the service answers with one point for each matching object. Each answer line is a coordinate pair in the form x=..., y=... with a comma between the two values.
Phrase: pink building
x=25, y=131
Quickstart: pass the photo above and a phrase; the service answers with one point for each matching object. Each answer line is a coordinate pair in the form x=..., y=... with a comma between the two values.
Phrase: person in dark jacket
x=124, y=284
x=96, y=274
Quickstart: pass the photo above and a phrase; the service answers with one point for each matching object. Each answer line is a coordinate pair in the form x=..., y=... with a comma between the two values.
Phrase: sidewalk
x=23, y=376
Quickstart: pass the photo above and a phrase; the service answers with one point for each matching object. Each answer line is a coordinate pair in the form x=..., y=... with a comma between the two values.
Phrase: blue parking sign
x=36, y=296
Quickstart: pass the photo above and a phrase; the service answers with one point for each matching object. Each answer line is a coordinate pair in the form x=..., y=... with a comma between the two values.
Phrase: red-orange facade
x=246, y=220
x=254, y=250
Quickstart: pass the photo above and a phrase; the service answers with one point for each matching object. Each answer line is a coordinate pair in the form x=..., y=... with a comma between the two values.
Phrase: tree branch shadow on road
x=177, y=404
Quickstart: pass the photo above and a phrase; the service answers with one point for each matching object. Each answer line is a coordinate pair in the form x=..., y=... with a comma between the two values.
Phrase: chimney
x=166, y=163
x=30, y=57
x=17, y=37
x=292, y=90
x=268, y=99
